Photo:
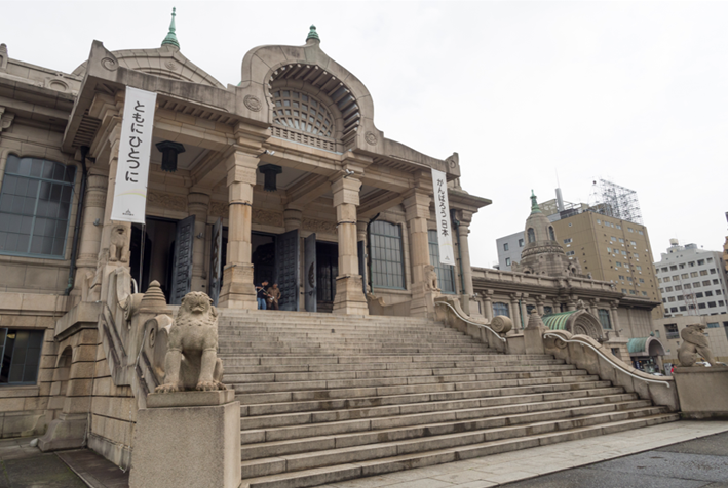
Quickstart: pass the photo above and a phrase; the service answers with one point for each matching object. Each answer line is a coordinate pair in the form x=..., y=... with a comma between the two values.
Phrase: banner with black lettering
x=132, y=171
x=442, y=218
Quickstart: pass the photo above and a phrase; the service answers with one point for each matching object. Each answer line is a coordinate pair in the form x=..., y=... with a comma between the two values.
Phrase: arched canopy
x=576, y=322
x=645, y=347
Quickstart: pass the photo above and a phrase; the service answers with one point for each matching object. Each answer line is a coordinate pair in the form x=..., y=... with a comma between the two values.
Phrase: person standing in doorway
x=262, y=295
x=274, y=294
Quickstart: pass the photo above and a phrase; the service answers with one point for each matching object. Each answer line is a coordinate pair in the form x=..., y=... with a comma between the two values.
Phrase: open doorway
x=167, y=250
x=327, y=269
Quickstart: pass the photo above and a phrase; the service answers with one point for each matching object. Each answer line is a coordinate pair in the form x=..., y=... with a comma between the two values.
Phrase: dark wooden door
x=182, y=264
x=287, y=259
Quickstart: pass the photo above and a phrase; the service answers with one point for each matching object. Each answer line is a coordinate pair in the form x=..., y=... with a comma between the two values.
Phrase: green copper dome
x=171, y=38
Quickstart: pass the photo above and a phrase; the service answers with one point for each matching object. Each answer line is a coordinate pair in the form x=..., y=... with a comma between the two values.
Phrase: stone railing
x=586, y=353
x=490, y=332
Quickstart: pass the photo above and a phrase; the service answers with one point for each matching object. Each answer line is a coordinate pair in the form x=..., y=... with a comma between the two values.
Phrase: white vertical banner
x=135, y=146
x=442, y=218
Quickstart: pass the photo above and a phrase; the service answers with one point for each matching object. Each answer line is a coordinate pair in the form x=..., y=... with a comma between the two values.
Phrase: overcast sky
x=636, y=92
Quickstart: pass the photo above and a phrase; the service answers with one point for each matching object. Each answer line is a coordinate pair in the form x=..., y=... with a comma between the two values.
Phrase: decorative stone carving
x=501, y=324
x=694, y=346
x=170, y=65
x=319, y=226
x=371, y=138
x=431, y=278
x=3, y=57
x=167, y=200
x=119, y=246
x=5, y=119
x=109, y=64
x=252, y=103
x=191, y=362
x=266, y=217
x=218, y=208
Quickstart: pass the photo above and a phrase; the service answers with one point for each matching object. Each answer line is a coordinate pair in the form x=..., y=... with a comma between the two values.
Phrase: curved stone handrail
x=469, y=321
x=556, y=335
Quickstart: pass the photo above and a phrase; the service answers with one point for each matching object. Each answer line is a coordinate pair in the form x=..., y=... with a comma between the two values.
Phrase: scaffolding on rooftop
x=616, y=201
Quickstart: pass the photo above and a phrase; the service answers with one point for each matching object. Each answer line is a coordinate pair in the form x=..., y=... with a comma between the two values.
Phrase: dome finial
x=171, y=38
x=534, y=204
x=312, y=34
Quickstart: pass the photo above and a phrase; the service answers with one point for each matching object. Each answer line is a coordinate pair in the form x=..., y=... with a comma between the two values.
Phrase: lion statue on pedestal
x=191, y=362
x=694, y=346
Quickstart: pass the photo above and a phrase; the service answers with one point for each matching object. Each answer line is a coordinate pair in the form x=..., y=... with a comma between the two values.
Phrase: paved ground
x=685, y=454
x=642, y=458
x=26, y=467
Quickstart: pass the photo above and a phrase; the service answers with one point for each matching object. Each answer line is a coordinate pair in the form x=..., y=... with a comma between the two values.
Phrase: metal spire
x=171, y=38
x=312, y=34
x=534, y=204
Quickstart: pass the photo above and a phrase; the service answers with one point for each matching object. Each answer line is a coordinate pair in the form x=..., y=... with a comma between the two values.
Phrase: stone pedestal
x=533, y=334
x=703, y=392
x=189, y=439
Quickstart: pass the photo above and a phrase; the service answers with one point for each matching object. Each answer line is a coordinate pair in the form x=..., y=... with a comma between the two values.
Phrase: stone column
x=238, y=290
x=349, y=298
x=197, y=204
x=488, y=303
x=613, y=306
x=515, y=310
x=467, y=279
x=92, y=224
x=524, y=309
x=571, y=304
x=539, y=304
x=292, y=219
x=417, y=209
x=110, y=226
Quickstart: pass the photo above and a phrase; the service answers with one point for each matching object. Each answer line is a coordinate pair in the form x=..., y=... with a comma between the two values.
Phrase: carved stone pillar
x=613, y=306
x=350, y=299
x=464, y=255
x=238, y=290
x=539, y=304
x=571, y=304
x=92, y=225
x=197, y=204
x=524, y=309
x=417, y=209
x=516, y=310
x=121, y=230
x=488, y=302
x=292, y=219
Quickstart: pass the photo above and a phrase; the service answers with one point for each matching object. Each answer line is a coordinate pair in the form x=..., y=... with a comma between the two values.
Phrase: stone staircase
x=325, y=399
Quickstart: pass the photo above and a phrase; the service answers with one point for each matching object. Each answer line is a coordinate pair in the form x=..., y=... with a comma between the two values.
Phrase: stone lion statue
x=118, y=247
x=694, y=346
x=431, y=278
x=191, y=362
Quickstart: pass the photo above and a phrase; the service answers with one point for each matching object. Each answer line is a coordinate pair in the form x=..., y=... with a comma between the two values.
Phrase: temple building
x=283, y=177
x=548, y=281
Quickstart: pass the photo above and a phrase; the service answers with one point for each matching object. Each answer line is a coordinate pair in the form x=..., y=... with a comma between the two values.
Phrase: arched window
x=531, y=236
x=35, y=206
x=500, y=308
x=385, y=247
x=551, y=234
x=445, y=273
x=300, y=111
x=548, y=310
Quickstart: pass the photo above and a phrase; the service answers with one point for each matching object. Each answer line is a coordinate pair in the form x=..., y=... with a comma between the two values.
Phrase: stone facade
x=339, y=178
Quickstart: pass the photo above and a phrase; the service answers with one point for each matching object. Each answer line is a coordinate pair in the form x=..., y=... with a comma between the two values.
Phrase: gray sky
x=632, y=91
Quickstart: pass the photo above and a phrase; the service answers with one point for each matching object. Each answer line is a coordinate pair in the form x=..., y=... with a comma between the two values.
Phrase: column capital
x=241, y=167
x=417, y=203
x=201, y=200
x=345, y=189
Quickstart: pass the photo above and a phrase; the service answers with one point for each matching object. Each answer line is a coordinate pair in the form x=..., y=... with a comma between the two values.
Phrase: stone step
x=315, y=351
x=450, y=409
x=374, y=396
x=487, y=358
x=301, y=470
x=363, y=370
x=397, y=378
x=473, y=425
x=345, y=339
x=354, y=373
x=408, y=404
x=384, y=385
x=263, y=346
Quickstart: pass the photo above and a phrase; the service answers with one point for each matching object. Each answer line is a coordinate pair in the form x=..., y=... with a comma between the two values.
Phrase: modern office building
x=692, y=281
x=607, y=248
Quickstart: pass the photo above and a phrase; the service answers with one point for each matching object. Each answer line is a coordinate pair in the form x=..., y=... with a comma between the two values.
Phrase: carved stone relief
x=166, y=200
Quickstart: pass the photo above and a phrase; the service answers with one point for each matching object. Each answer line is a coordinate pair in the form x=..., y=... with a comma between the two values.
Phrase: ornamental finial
x=171, y=38
x=312, y=34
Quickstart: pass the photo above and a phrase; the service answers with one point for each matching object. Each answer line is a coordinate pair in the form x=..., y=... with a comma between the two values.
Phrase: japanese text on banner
x=132, y=171
x=442, y=218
